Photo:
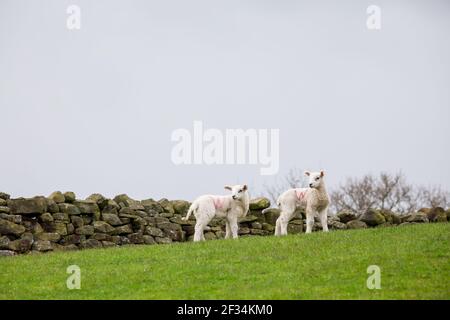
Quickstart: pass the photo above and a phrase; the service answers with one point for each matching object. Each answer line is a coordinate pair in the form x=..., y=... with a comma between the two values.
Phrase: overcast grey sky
x=92, y=110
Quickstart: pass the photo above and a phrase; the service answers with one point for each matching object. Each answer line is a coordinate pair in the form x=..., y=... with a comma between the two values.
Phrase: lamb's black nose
x=310, y=185
x=234, y=197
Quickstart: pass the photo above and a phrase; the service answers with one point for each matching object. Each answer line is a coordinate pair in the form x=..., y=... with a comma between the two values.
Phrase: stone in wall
x=24, y=206
x=373, y=217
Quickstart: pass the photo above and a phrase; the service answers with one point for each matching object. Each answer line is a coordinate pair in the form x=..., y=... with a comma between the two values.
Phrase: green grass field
x=414, y=262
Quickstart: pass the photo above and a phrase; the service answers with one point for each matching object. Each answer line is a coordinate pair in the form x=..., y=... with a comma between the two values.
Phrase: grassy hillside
x=414, y=262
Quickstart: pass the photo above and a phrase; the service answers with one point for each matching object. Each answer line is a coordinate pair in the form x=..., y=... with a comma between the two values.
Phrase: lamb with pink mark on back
x=314, y=200
x=231, y=207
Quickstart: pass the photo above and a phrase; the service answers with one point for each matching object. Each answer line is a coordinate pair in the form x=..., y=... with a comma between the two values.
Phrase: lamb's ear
x=307, y=173
x=245, y=187
x=228, y=188
x=322, y=173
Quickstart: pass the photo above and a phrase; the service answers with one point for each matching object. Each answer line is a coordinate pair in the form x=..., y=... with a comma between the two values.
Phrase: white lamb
x=314, y=200
x=230, y=207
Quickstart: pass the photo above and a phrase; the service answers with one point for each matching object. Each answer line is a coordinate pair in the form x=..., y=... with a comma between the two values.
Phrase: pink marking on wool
x=300, y=194
x=218, y=203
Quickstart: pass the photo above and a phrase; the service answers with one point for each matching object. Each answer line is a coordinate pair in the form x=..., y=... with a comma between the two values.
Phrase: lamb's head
x=315, y=178
x=238, y=191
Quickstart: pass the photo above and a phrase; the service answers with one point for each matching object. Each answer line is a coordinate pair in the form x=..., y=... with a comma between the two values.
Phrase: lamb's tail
x=192, y=208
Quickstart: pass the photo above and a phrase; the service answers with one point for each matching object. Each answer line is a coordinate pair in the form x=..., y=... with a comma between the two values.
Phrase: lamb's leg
x=287, y=211
x=284, y=221
x=278, y=227
x=198, y=234
x=202, y=222
x=233, y=221
x=203, y=215
x=309, y=220
x=228, y=229
x=324, y=220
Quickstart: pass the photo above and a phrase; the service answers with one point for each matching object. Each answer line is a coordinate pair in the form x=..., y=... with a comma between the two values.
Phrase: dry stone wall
x=63, y=222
